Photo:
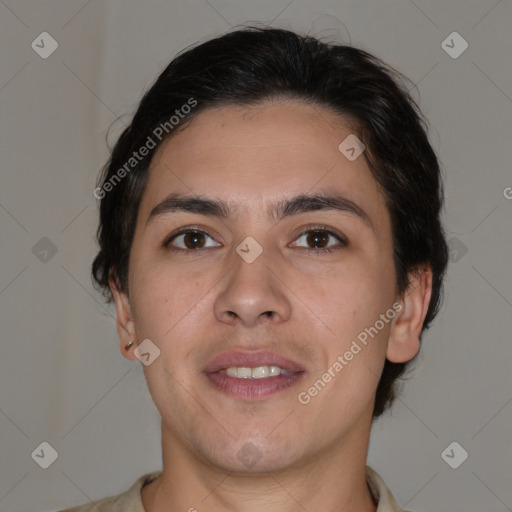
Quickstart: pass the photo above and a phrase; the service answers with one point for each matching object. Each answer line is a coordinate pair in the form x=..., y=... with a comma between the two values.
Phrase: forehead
x=257, y=154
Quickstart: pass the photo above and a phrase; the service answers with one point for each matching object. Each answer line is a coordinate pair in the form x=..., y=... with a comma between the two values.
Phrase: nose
x=252, y=293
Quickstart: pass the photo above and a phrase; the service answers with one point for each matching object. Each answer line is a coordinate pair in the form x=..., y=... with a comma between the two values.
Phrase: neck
x=333, y=480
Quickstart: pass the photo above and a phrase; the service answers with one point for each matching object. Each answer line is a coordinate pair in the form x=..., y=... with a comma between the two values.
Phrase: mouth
x=252, y=375
x=260, y=372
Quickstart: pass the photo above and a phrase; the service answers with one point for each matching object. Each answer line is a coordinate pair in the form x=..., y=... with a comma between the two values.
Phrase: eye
x=189, y=239
x=319, y=236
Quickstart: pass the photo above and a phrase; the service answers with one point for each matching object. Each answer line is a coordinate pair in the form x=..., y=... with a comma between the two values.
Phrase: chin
x=250, y=456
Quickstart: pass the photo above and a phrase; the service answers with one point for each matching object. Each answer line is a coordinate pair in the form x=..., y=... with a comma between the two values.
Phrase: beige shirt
x=130, y=501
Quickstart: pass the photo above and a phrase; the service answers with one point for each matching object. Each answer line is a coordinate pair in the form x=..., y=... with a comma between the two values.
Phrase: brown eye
x=319, y=239
x=189, y=240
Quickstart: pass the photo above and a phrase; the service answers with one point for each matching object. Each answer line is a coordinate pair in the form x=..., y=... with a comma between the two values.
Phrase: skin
x=251, y=157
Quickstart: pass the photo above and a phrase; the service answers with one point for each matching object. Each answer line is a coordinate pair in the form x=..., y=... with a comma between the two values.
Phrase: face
x=266, y=285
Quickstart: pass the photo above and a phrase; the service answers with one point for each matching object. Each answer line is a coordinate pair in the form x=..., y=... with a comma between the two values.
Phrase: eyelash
x=196, y=229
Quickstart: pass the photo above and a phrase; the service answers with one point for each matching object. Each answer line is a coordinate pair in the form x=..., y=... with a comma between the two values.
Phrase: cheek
x=350, y=303
x=163, y=294
x=349, y=297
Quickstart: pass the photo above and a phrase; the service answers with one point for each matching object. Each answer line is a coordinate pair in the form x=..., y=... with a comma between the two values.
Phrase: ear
x=125, y=323
x=404, y=340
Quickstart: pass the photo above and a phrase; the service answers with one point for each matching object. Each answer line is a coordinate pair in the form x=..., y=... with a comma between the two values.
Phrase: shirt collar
x=381, y=493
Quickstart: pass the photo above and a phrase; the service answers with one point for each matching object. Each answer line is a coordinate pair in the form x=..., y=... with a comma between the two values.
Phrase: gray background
x=62, y=377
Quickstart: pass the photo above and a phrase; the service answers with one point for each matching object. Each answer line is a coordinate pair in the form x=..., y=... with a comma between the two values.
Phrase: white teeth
x=243, y=373
x=261, y=372
x=274, y=370
x=232, y=372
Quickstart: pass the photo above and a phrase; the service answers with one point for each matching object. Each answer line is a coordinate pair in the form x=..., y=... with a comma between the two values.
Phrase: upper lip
x=251, y=359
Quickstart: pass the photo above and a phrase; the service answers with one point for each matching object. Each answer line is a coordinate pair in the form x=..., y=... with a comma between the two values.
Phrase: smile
x=260, y=372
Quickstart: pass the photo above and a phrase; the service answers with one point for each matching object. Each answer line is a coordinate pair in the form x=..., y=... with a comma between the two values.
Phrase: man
x=270, y=234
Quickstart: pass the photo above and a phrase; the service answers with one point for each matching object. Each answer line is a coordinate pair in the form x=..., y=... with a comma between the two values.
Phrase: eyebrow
x=295, y=205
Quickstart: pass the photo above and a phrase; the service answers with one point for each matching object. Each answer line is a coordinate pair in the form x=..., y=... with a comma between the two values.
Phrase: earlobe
x=404, y=340
x=125, y=322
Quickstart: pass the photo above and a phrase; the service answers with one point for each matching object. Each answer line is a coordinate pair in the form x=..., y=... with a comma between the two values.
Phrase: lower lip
x=252, y=389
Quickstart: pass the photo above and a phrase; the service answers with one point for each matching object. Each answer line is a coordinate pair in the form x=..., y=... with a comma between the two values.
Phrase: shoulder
x=128, y=501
